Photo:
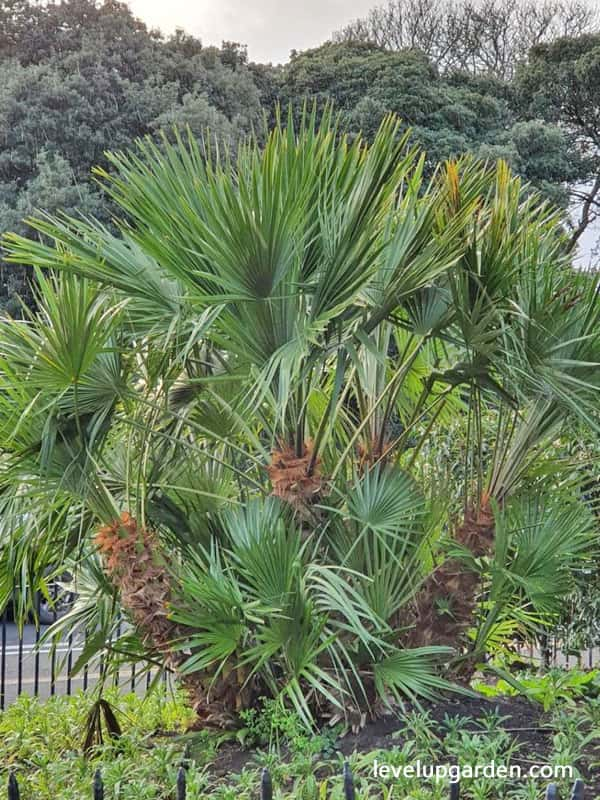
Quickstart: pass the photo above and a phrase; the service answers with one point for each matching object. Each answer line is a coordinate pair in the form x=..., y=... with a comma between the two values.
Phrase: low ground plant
x=552, y=688
x=41, y=742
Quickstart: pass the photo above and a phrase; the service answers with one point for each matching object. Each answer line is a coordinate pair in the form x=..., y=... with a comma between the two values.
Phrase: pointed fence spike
x=577, y=793
x=98, y=786
x=454, y=790
x=266, y=785
x=349, y=791
x=181, y=784
x=13, y=787
x=552, y=792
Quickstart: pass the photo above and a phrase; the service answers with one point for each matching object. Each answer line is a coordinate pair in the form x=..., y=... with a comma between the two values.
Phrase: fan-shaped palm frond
x=541, y=541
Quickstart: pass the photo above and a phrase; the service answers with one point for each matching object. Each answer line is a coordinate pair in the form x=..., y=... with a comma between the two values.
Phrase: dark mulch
x=525, y=721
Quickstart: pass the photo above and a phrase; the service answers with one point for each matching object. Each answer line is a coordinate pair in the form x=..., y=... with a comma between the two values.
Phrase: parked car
x=51, y=608
x=60, y=603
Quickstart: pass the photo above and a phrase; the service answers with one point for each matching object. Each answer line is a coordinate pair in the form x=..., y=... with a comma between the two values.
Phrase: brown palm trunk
x=132, y=560
x=445, y=606
x=296, y=479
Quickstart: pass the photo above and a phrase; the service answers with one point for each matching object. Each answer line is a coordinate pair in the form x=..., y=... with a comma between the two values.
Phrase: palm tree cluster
x=228, y=416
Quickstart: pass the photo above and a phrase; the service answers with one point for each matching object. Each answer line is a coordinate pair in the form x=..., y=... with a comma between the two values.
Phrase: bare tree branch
x=476, y=36
x=587, y=214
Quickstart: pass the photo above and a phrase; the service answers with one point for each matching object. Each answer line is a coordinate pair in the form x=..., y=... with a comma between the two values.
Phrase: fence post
x=3, y=662
x=454, y=790
x=13, y=787
x=98, y=786
x=181, y=784
x=266, y=785
x=577, y=790
x=552, y=792
x=349, y=792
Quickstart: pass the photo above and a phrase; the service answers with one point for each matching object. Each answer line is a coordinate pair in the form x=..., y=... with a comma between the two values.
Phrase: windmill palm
x=226, y=397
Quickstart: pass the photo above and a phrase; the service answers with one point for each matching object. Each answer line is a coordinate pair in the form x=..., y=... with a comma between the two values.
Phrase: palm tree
x=220, y=412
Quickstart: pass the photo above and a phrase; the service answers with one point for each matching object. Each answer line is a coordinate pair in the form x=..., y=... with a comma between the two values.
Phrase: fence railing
x=266, y=787
x=29, y=665
x=560, y=654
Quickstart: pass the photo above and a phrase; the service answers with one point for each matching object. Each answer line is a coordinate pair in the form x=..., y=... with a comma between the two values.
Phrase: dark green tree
x=561, y=84
x=449, y=114
x=81, y=77
x=52, y=188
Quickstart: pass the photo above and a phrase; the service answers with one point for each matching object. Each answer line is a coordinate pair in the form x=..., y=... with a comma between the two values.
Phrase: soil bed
x=525, y=721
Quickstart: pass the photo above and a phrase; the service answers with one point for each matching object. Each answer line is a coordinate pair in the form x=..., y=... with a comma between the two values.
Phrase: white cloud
x=270, y=28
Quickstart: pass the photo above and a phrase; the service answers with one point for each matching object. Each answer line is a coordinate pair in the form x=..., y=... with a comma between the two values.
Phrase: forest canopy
x=82, y=77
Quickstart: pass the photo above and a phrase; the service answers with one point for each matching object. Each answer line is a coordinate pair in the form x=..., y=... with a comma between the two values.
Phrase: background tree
x=561, y=83
x=449, y=114
x=490, y=36
x=84, y=76
x=81, y=77
x=52, y=187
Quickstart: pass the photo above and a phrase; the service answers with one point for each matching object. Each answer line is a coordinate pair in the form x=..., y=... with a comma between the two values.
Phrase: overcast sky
x=270, y=28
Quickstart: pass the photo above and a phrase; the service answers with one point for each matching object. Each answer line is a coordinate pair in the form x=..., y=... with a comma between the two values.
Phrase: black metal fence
x=266, y=787
x=29, y=665
x=557, y=653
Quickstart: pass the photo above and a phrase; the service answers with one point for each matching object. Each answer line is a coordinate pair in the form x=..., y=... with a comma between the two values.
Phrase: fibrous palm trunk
x=132, y=560
x=446, y=604
x=292, y=478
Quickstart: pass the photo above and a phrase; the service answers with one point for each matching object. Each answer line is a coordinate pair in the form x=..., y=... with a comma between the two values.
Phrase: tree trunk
x=132, y=560
x=446, y=604
x=296, y=479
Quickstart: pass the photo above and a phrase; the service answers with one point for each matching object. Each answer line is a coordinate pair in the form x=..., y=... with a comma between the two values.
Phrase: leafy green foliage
x=83, y=76
x=552, y=689
x=300, y=321
x=560, y=84
x=292, y=619
x=539, y=540
x=449, y=114
x=50, y=735
x=40, y=744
